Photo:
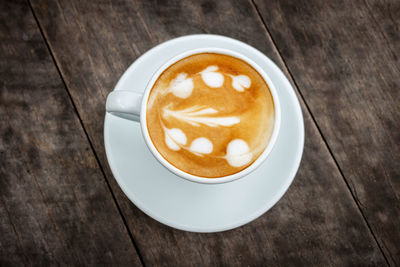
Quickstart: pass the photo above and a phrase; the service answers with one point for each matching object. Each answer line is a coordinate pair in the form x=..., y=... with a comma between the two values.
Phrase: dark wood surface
x=56, y=207
x=59, y=201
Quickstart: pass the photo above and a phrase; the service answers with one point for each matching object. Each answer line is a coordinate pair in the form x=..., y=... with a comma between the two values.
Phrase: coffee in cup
x=210, y=115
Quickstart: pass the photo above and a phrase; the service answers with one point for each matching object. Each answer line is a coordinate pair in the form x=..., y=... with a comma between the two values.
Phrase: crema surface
x=210, y=115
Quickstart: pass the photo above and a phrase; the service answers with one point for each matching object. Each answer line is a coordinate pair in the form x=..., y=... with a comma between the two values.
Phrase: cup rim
x=196, y=178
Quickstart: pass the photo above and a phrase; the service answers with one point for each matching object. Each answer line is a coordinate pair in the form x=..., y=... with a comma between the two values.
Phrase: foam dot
x=240, y=82
x=237, y=153
x=201, y=145
x=237, y=147
x=211, y=77
x=181, y=86
x=174, y=137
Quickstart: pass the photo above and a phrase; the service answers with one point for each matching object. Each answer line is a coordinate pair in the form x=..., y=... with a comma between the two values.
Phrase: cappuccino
x=210, y=115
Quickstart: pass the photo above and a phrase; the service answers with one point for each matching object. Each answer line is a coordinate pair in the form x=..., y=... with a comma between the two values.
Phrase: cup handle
x=125, y=104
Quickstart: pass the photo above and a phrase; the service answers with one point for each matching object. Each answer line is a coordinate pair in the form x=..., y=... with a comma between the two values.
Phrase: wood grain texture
x=344, y=57
x=317, y=221
x=55, y=207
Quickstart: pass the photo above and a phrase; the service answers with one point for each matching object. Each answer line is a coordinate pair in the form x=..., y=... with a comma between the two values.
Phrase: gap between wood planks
x=86, y=134
x=352, y=192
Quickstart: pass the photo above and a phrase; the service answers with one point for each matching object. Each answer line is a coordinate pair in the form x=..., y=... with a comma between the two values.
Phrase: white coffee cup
x=133, y=105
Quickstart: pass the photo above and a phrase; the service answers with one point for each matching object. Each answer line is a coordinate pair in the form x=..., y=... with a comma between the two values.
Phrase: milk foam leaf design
x=211, y=77
x=181, y=86
x=240, y=82
x=201, y=145
x=197, y=115
x=174, y=138
x=238, y=153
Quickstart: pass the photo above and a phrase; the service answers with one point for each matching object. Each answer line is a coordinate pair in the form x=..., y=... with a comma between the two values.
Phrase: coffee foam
x=201, y=146
x=211, y=77
x=210, y=115
x=238, y=153
x=181, y=86
x=198, y=115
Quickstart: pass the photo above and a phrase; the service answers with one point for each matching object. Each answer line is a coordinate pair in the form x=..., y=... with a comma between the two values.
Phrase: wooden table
x=60, y=204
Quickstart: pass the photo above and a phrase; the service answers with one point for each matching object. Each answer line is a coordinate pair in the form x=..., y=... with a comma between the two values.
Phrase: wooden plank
x=10, y=246
x=385, y=16
x=344, y=57
x=55, y=206
x=317, y=222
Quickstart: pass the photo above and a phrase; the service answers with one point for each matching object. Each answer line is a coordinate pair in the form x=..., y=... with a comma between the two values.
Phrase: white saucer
x=190, y=206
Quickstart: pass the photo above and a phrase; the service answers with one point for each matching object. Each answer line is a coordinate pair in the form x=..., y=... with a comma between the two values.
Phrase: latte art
x=196, y=116
x=210, y=115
